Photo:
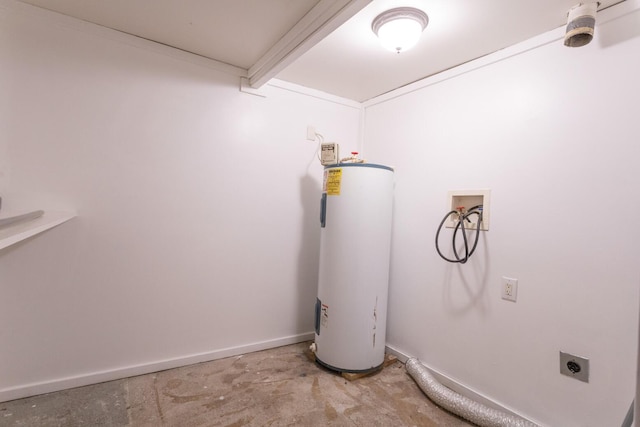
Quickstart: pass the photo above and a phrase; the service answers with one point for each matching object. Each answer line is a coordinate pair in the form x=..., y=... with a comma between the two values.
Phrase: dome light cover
x=399, y=29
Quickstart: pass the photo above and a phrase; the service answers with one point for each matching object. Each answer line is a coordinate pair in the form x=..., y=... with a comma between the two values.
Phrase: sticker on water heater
x=324, y=315
x=324, y=180
x=332, y=180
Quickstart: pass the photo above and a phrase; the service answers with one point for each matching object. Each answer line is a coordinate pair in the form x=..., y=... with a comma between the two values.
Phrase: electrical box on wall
x=329, y=153
x=467, y=199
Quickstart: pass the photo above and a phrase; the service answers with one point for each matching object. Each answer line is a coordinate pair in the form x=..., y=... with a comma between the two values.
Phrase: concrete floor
x=278, y=387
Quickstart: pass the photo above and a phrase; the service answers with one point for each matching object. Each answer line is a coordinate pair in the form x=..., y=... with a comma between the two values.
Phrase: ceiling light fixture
x=399, y=29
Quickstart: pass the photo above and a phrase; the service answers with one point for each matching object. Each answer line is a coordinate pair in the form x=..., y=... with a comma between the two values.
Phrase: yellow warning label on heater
x=332, y=180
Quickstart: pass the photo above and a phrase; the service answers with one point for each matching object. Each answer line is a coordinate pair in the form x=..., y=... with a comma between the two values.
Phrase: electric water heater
x=355, y=241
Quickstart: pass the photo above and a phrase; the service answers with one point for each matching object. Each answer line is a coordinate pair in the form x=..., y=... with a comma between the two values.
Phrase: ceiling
x=326, y=45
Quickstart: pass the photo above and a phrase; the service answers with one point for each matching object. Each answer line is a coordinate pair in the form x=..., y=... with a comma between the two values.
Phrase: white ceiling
x=308, y=42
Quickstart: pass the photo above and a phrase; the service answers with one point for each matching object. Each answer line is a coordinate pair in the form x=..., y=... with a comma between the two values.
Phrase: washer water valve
x=353, y=158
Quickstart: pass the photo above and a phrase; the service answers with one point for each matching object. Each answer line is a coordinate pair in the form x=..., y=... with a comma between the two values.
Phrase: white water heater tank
x=355, y=241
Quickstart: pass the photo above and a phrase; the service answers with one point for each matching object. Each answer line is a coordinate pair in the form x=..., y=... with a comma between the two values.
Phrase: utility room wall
x=197, y=233
x=554, y=133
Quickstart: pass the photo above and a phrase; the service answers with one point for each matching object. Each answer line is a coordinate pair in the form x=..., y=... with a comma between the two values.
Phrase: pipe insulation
x=460, y=405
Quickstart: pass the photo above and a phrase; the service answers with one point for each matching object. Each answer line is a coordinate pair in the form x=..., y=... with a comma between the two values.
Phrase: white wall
x=553, y=132
x=197, y=234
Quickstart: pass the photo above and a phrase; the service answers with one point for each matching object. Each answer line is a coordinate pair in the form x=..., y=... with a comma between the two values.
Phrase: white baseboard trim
x=34, y=389
x=457, y=386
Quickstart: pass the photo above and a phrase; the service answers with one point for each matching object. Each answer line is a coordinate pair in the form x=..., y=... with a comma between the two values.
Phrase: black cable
x=460, y=226
x=438, y=234
x=475, y=210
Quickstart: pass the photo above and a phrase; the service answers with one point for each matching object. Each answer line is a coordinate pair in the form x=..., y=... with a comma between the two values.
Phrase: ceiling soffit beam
x=318, y=23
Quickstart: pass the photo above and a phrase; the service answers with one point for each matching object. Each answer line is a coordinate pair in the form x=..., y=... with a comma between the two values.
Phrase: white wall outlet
x=574, y=366
x=509, y=289
x=311, y=133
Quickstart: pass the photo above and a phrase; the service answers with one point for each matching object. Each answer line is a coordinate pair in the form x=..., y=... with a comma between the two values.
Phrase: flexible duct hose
x=462, y=406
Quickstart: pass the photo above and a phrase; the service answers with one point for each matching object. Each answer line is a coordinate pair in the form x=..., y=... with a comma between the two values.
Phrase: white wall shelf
x=23, y=230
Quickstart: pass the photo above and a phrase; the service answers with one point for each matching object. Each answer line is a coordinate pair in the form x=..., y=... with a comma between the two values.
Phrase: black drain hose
x=462, y=217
